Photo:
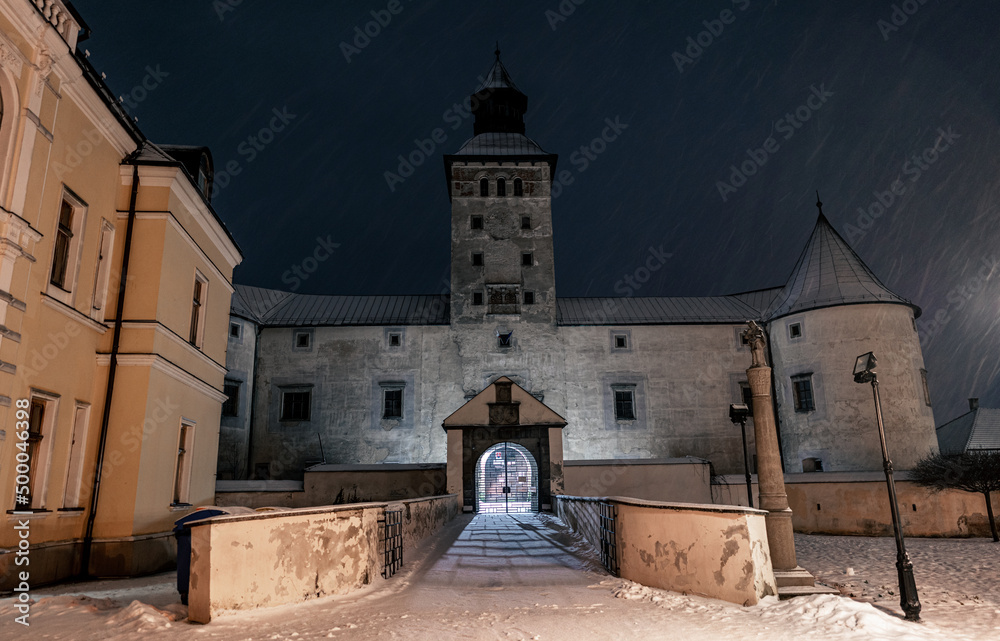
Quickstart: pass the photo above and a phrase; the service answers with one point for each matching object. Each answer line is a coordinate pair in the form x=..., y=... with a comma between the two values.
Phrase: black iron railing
x=392, y=542
x=609, y=544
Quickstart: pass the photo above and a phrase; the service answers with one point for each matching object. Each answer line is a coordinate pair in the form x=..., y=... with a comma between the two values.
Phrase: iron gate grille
x=392, y=542
x=609, y=545
x=506, y=480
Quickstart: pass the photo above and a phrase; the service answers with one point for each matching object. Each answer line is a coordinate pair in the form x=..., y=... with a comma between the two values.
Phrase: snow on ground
x=527, y=577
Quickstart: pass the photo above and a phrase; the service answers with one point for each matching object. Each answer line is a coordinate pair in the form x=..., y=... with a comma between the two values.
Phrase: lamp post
x=738, y=413
x=864, y=372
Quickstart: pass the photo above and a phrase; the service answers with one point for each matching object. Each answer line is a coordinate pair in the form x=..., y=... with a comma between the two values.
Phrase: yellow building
x=110, y=395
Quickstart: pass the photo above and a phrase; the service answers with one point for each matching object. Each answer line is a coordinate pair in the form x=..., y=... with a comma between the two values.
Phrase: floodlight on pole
x=738, y=413
x=864, y=372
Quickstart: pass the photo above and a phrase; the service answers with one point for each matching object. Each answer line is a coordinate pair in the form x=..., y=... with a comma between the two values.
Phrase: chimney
x=973, y=404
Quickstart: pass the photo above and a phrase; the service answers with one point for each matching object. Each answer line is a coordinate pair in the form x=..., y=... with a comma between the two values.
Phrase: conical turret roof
x=830, y=273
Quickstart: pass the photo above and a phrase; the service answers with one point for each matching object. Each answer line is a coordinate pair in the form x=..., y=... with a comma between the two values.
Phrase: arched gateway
x=506, y=419
x=506, y=480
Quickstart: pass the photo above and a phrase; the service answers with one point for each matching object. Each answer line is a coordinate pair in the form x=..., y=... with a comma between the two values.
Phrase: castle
x=397, y=379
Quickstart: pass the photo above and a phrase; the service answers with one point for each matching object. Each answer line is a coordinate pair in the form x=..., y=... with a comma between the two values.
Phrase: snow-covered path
x=528, y=577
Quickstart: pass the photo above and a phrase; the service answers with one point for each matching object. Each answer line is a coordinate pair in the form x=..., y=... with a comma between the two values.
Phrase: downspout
x=253, y=400
x=88, y=538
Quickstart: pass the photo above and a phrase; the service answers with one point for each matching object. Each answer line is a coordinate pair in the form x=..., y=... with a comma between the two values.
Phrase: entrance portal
x=506, y=480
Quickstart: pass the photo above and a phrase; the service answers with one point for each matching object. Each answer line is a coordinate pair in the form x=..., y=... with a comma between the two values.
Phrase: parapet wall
x=278, y=557
x=671, y=479
x=857, y=503
x=327, y=484
x=710, y=550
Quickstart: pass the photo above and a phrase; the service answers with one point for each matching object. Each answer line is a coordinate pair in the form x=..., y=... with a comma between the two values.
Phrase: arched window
x=484, y=187
x=518, y=187
x=501, y=187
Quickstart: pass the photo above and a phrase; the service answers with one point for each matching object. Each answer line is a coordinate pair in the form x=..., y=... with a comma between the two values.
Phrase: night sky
x=730, y=115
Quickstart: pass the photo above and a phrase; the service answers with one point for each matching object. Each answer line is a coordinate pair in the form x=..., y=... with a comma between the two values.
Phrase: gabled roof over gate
x=503, y=403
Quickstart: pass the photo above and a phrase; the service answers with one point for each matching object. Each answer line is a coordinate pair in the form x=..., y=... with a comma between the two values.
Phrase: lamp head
x=864, y=368
x=738, y=412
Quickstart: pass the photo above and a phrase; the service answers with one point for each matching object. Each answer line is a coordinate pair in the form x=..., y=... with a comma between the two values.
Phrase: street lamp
x=738, y=413
x=864, y=372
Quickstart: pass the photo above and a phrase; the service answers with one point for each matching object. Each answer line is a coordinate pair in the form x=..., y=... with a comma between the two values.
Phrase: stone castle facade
x=371, y=379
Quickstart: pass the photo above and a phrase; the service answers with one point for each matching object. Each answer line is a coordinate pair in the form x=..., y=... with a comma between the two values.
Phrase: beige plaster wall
x=715, y=551
x=685, y=480
x=273, y=558
x=857, y=503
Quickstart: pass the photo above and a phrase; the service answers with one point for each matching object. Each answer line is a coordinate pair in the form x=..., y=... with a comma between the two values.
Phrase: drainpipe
x=88, y=538
x=253, y=399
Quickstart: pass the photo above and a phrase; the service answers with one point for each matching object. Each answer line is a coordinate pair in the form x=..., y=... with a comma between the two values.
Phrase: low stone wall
x=327, y=484
x=857, y=503
x=287, y=556
x=686, y=480
x=711, y=550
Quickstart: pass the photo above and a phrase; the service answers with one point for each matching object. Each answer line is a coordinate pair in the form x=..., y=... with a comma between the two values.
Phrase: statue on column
x=754, y=335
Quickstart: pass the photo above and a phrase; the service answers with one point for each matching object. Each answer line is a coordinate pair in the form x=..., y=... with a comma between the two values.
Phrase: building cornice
x=174, y=178
x=160, y=364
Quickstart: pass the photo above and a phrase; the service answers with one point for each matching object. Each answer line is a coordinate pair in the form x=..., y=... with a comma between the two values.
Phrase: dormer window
x=484, y=187
x=205, y=177
x=501, y=188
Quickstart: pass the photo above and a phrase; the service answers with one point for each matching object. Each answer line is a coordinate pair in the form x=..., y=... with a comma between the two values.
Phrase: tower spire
x=819, y=204
x=497, y=52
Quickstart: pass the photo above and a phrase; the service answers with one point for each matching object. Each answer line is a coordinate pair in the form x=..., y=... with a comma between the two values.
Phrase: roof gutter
x=88, y=539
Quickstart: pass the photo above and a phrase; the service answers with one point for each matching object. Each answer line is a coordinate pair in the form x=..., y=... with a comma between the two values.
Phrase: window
x=231, y=406
x=527, y=259
x=529, y=298
x=477, y=298
x=525, y=222
x=795, y=330
x=802, y=392
x=182, y=468
x=205, y=177
x=234, y=330
x=303, y=340
x=477, y=259
x=624, y=403
x=476, y=222
x=392, y=402
x=394, y=340
x=746, y=394
x=504, y=339
x=104, y=251
x=197, y=331
x=60, y=256
x=927, y=390
x=518, y=187
x=501, y=187
x=74, y=471
x=484, y=187
x=295, y=405
x=38, y=447
x=621, y=341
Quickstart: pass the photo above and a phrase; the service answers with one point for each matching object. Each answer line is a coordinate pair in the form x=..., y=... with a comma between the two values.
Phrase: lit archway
x=506, y=480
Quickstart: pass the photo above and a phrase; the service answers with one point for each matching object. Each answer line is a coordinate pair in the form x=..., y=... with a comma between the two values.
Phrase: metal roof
x=276, y=308
x=501, y=144
x=975, y=430
x=650, y=310
x=830, y=273
x=498, y=78
x=254, y=302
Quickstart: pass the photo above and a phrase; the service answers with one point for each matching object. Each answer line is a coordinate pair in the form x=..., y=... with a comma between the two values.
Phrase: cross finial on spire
x=497, y=52
x=819, y=204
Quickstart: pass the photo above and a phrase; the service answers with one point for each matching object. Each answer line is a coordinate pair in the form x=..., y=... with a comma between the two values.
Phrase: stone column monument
x=791, y=578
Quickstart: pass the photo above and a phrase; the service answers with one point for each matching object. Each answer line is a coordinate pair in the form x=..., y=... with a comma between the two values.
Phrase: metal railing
x=392, y=542
x=609, y=544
